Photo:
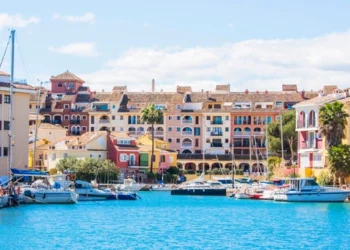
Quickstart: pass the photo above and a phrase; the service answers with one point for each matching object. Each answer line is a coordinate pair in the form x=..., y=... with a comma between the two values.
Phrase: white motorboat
x=307, y=190
x=129, y=185
x=40, y=192
x=164, y=187
x=88, y=193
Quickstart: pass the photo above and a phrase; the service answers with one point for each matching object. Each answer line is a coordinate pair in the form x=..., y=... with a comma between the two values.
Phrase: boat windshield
x=225, y=181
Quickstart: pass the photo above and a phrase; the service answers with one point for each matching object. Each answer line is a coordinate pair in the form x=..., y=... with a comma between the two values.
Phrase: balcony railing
x=216, y=122
x=75, y=121
x=158, y=133
x=216, y=145
x=216, y=133
x=187, y=133
x=186, y=144
x=104, y=121
x=241, y=133
x=187, y=121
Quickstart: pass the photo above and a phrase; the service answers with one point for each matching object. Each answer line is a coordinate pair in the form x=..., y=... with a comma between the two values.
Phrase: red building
x=123, y=151
x=66, y=103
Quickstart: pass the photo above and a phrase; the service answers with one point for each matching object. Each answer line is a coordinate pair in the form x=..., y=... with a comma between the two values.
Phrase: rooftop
x=67, y=76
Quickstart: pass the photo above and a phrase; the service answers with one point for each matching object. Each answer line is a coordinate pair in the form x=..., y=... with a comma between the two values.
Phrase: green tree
x=151, y=115
x=332, y=120
x=273, y=163
x=69, y=163
x=290, y=136
x=108, y=168
x=339, y=158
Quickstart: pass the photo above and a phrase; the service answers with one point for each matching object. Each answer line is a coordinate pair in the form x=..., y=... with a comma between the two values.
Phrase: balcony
x=216, y=122
x=74, y=121
x=186, y=144
x=184, y=133
x=158, y=133
x=216, y=145
x=258, y=133
x=187, y=121
x=104, y=121
x=241, y=133
x=216, y=133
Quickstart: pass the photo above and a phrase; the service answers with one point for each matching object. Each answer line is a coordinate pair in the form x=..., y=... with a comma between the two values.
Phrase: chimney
x=103, y=90
x=246, y=91
x=153, y=85
x=303, y=94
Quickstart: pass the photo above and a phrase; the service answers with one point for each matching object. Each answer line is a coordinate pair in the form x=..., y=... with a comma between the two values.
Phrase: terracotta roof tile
x=223, y=87
x=320, y=100
x=183, y=89
x=3, y=73
x=328, y=89
x=67, y=76
x=17, y=86
x=289, y=87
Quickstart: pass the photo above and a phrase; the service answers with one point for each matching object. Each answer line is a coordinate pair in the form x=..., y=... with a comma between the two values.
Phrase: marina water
x=162, y=221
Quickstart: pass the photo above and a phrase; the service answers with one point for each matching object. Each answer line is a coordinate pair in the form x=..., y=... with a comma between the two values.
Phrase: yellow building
x=88, y=145
x=164, y=156
x=20, y=106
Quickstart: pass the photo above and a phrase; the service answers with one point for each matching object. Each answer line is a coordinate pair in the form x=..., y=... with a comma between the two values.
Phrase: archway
x=186, y=151
x=190, y=166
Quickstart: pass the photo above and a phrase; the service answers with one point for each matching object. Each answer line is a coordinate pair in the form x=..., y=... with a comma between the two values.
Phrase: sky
x=254, y=45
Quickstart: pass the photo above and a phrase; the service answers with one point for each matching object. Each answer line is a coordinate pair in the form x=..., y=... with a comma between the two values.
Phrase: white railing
x=187, y=132
x=158, y=133
x=186, y=144
x=104, y=121
x=187, y=121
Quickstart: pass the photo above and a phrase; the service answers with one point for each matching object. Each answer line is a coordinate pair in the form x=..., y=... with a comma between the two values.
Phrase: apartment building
x=20, y=106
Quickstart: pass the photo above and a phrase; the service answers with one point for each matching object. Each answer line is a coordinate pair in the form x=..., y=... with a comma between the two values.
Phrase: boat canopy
x=22, y=172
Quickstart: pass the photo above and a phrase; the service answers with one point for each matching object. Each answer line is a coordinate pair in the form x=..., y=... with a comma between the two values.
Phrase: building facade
x=20, y=107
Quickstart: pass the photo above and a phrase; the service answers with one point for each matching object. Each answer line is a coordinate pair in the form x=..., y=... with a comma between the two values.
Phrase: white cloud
x=88, y=17
x=16, y=21
x=77, y=49
x=252, y=64
x=230, y=25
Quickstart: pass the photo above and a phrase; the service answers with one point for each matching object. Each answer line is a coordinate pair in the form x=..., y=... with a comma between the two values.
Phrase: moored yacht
x=307, y=190
x=88, y=193
x=200, y=188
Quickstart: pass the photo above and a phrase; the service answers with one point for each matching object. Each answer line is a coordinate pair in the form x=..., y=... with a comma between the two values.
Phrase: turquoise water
x=162, y=221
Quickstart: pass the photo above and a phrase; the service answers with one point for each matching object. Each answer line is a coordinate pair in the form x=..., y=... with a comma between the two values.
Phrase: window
x=178, y=107
x=5, y=151
x=59, y=85
x=30, y=106
x=53, y=157
x=6, y=125
x=92, y=129
x=197, y=119
x=227, y=118
x=226, y=140
x=317, y=160
x=208, y=129
x=197, y=131
x=59, y=97
x=92, y=118
x=210, y=106
x=65, y=155
x=197, y=143
x=123, y=157
x=121, y=117
x=304, y=161
x=226, y=129
x=170, y=117
x=66, y=117
x=84, y=128
x=162, y=158
x=113, y=106
x=178, y=129
x=169, y=129
x=278, y=103
x=208, y=141
x=113, y=128
x=171, y=158
x=169, y=140
x=124, y=142
x=7, y=99
x=311, y=140
x=113, y=117
x=208, y=118
x=66, y=106
x=84, y=117
x=66, y=127
x=121, y=129
x=178, y=118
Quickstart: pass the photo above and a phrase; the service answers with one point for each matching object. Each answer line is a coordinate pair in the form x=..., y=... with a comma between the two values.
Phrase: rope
x=2, y=59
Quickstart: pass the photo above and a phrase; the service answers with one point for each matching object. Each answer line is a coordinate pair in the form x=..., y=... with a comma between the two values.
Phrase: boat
x=199, y=187
x=307, y=190
x=41, y=192
x=4, y=200
x=130, y=185
x=88, y=193
x=164, y=187
x=127, y=195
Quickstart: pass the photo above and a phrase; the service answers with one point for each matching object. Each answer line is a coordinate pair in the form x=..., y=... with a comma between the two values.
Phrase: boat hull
x=202, y=192
x=4, y=200
x=49, y=197
x=312, y=197
x=127, y=196
x=89, y=197
x=241, y=196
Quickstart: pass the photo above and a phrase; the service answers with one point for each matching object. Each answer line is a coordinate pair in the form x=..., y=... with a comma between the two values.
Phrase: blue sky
x=253, y=45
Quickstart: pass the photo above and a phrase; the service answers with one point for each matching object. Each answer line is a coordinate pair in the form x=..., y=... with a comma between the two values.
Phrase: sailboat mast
x=10, y=163
x=267, y=147
x=36, y=126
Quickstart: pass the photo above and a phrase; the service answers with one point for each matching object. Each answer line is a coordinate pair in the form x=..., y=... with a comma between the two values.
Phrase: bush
x=324, y=179
x=53, y=171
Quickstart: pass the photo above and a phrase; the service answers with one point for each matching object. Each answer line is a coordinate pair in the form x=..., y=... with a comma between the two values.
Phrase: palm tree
x=332, y=122
x=151, y=115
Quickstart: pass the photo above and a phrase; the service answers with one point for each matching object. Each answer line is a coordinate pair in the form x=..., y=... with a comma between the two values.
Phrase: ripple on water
x=162, y=221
